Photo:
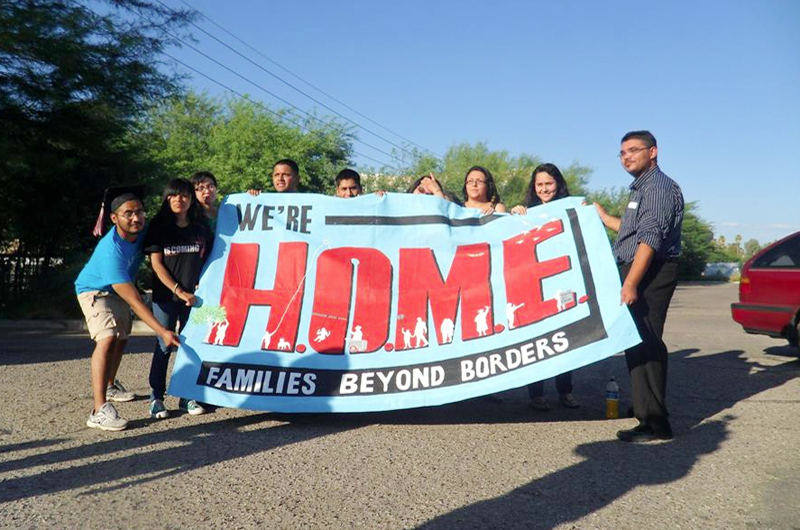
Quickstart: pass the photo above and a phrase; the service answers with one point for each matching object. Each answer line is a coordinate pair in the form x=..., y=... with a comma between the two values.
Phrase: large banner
x=320, y=304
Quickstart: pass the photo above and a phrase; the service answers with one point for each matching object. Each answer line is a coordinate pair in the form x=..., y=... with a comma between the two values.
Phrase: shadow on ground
x=701, y=388
x=706, y=386
x=609, y=470
x=783, y=351
x=157, y=455
x=34, y=348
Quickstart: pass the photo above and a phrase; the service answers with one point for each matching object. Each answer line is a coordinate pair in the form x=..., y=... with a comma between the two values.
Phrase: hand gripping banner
x=320, y=304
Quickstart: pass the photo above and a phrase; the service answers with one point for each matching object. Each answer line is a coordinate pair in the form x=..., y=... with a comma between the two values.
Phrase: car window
x=784, y=256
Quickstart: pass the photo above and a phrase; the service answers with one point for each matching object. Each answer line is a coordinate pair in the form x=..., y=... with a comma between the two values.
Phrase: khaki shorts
x=107, y=315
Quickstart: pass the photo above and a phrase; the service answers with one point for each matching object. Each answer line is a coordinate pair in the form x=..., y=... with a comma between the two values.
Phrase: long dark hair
x=531, y=199
x=416, y=183
x=449, y=196
x=200, y=176
x=491, y=189
x=165, y=215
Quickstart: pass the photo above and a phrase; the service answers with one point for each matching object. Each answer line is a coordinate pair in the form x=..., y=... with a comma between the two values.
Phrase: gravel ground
x=485, y=463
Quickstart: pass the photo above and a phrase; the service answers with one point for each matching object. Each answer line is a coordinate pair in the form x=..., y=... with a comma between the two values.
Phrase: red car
x=769, y=291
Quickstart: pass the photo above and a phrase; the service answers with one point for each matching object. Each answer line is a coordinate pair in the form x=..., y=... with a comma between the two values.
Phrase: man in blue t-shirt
x=106, y=295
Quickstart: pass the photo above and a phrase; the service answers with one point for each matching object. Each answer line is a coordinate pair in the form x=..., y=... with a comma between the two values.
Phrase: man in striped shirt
x=646, y=250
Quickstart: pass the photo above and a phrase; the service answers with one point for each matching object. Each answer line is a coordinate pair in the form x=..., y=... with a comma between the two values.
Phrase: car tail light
x=744, y=286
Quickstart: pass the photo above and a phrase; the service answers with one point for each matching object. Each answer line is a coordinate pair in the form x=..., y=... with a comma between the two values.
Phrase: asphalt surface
x=485, y=463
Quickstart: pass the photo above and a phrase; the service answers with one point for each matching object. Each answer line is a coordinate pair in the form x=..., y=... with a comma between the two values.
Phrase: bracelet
x=175, y=289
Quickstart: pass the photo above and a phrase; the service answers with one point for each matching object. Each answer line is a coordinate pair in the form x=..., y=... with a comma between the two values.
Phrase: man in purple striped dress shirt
x=646, y=250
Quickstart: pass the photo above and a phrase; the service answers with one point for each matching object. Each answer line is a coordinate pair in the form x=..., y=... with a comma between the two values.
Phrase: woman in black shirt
x=178, y=242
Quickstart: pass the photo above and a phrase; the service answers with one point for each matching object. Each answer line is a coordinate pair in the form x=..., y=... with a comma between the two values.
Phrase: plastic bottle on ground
x=612, y=400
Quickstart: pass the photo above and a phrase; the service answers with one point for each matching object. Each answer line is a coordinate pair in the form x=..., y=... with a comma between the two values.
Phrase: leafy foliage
x=722, y=251
x=240, y=140
x=512, y=174
x=696, y=244
x=72, y=80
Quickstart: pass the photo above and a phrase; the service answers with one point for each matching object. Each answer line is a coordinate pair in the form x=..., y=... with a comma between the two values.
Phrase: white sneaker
x=191, y=406
x=157, y=410
x=117, y=392
x=106, y=419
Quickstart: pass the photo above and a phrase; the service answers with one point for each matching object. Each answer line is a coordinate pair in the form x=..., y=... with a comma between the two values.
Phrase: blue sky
x=717, y=82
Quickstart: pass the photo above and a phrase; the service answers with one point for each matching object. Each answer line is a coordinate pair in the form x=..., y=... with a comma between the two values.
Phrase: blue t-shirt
x=114, y=260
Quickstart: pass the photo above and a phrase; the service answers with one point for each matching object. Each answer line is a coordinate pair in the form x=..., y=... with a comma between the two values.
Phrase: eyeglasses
x=632, y=151
x=130, y=214
x=473, y=182
x=205, y=187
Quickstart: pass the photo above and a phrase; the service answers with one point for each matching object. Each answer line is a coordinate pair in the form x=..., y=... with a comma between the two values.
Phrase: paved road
x=735, y=463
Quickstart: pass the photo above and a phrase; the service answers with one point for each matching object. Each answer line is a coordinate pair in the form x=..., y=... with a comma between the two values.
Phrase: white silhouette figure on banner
x=406, y=338
x=284, y=344
x=221, y=329
x=510, y=310
x=357, y=334
x=265, y=340
x=212, y=330
x=357, y=342
x=420, y=330
x=481, y=321
x=322, y=334
x=447, y=328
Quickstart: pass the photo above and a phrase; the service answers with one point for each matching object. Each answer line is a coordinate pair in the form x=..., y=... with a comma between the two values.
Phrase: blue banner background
x=617, y=330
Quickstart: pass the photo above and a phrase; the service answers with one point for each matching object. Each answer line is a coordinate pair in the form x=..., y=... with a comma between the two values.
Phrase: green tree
x=239, y=141
x=512, y=174
x=751, y=247
x=697, y=244
x=71, y=82
x=724, y=252
x=735, y=248
x=175, y=134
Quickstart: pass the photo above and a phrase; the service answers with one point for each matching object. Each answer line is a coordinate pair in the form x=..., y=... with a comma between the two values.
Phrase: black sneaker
x=569, y=401
x=643, y=433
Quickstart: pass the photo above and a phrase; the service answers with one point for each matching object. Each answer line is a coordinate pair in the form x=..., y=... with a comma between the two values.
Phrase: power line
x=324, y=124
x=282, y=80
x=310, y=116
x=278, y=115
x=345, y=105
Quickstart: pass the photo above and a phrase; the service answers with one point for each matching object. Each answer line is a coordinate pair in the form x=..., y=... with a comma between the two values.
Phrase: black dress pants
x=647, y=362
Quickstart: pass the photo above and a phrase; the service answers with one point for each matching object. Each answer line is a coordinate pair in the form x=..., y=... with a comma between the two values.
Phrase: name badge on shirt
x=632, y=205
